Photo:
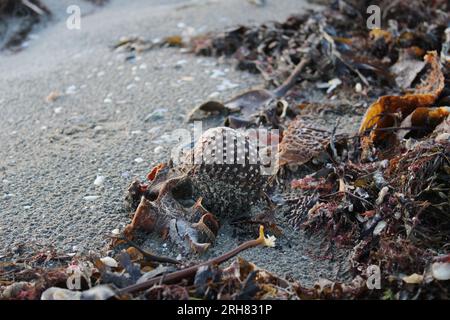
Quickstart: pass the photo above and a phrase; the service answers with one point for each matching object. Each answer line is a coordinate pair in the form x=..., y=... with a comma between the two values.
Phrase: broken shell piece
x=99, y=181
x=109, y=262
x=441, y=270
x=381, y=195
x=207, y=227
x=91, y=198
x=302, y=142
x=185, y=236
x=198, y=248
x=413, y=278
x=144, y=219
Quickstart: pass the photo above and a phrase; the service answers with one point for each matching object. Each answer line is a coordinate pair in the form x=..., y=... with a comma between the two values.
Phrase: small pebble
x=158, y=150
x=358, y=87
x=138, y=160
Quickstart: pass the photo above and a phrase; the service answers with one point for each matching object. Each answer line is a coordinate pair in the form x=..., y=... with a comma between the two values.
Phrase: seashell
x=224, y=169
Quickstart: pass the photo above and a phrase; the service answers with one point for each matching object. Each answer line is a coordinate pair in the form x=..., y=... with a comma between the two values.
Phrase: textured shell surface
x=302, y=142
x=225, y=170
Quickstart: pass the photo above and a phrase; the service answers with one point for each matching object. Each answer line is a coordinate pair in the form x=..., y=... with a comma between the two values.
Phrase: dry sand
x=51, y=153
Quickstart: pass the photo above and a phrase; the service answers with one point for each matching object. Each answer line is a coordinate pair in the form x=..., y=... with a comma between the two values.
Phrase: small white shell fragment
x=216, y=73
x=379, y=227
x=158, y=149
x=226, y=85
x=441, y=270
x=71, y=90
x=99, y=181
x=110, y=262
x=115, y=232
x=60, y=294
x=334, y=83
x=443, y=137
x=383, y=192
x=91, y=198
x=358, y=87
x=413, y=278
x=138, y=160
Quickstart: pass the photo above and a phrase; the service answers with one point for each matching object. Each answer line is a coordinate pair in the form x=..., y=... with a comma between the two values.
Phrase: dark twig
x=147, y=255
x=191, y=271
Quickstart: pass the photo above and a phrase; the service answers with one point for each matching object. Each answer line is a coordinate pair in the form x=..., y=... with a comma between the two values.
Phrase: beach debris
x=99, y=181
x=302, y=142
x=441, y=270
x=19, y=18
x=249, y=103
x=109, y=262
x=156, y=115
x=53, y=96
x=91, y=198
x=262, y=240
x=389, y=110
x=101, y=292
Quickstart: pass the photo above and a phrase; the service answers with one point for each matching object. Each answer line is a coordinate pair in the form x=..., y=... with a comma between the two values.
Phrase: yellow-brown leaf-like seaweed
x=389, y=111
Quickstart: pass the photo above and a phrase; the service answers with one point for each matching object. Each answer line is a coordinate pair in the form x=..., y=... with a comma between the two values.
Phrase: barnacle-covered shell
x=224, y=168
